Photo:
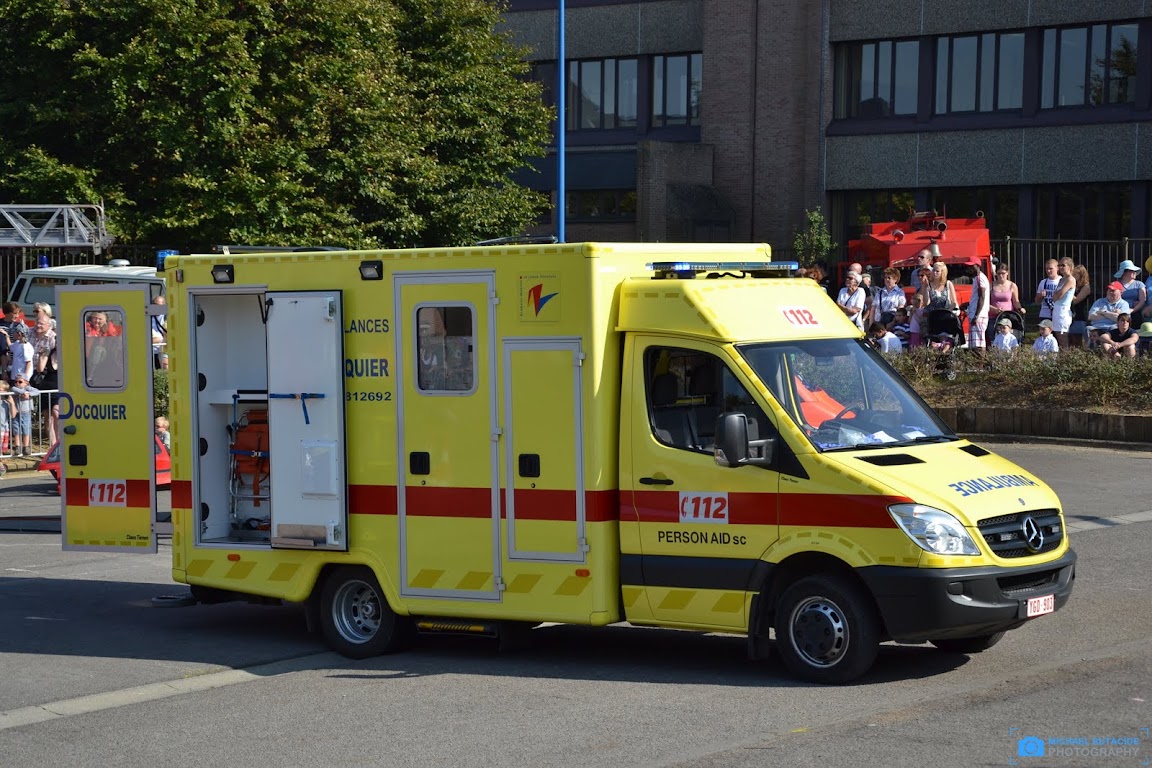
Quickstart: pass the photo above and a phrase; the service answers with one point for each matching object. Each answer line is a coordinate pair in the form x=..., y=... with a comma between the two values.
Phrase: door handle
x=656, y=481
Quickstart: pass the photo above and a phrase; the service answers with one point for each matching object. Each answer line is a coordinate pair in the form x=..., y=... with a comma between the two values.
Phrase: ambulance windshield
x=843, y=395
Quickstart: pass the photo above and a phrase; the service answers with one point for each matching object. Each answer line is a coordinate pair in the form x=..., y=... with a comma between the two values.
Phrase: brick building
x=725, y=119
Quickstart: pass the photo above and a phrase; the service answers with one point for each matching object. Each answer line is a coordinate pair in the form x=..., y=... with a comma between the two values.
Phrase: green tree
x=812, y=243
x=358, y=122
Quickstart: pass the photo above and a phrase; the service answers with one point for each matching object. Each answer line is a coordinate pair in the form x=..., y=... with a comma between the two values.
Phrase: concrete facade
x=766, y=106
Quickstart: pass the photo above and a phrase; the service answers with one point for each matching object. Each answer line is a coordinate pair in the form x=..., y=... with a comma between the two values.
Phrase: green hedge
x=1074, y=379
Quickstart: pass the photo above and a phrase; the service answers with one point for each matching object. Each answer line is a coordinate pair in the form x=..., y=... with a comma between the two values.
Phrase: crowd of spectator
x=1118, y=324
x=29, y=380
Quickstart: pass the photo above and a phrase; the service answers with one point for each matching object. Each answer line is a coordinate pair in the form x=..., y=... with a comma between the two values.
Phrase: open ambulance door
x=107, y=457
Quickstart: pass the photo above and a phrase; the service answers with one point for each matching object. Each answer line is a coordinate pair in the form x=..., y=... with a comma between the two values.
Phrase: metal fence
x=1025, y=258
x=41, y=435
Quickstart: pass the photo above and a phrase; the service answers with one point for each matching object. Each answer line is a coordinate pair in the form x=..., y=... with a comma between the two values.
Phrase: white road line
x=54, y=710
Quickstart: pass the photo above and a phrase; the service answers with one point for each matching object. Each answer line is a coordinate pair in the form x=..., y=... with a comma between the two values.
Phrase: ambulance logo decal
x=538, y=300
x=540, y=297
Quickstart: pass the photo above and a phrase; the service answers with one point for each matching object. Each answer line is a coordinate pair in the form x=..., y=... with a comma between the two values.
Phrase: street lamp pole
x=561, y=125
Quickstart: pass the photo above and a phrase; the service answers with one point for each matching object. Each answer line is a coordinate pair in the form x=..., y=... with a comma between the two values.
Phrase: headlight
x=933, y=530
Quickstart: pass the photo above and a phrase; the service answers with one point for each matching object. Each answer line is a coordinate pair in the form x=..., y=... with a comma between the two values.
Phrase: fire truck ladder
x=72, y=226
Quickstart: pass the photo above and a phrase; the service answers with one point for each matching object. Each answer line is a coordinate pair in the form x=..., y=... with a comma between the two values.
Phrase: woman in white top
x=890, y=298
x=851, y=299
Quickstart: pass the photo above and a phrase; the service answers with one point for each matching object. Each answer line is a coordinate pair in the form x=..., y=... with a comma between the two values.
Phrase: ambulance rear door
x=107, y=459
x=306, y=419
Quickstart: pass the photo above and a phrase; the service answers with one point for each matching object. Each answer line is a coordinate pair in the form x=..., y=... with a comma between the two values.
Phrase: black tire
x=968, y=644
x=355, y=618
x=827, y=630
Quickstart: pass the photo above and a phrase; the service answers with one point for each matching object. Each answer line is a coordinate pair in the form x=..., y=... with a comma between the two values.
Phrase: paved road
x=237, y=684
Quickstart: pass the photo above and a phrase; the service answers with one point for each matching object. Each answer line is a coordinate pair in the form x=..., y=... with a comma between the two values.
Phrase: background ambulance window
x=688, y=391
x=104, y=358
x=445, y=349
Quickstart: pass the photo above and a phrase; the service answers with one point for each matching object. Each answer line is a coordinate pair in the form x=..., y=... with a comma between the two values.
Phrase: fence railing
x=1025, y=258
x=40, y=434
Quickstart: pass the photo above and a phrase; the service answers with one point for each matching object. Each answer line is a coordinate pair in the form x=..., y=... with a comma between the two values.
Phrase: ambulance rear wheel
x=968, y=644
x=354, y=615
x=826, y=629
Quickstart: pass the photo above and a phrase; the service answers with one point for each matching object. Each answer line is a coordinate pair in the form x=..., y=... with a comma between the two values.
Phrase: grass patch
x=1074, y=380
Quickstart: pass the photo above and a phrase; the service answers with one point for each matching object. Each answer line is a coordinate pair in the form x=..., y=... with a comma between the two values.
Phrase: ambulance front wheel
x=827, y=630
x=355, y=617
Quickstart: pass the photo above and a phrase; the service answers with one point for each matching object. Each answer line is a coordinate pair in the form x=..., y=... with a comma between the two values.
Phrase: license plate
x=1038, y=606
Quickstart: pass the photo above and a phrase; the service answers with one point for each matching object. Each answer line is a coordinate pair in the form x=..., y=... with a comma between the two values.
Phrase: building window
x=877, y=79
x=1084, y=211
x=601, y=94
x=979, y=73
x=1089, y=66
x=676, y=90
x=600, y=205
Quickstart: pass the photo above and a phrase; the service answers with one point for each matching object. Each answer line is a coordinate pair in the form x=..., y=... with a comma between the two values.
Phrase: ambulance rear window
x=445, y=349
x=105, y=364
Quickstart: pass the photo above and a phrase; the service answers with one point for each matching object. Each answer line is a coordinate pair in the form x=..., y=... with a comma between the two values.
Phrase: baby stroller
x=945, y=335
x=1017, y=323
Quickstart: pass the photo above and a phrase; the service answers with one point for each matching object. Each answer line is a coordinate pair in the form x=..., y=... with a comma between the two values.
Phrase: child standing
x=23, y=392
x=22, y=352
x=1004, y=340
x=1045, y=343
x=163, y=433
x=7, y=412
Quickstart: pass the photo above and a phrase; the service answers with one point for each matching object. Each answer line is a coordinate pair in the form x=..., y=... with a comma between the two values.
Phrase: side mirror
x=737, y=443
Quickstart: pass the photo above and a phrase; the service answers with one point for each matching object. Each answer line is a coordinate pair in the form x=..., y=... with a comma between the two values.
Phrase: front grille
x=1005, y=536
x=1028, y=582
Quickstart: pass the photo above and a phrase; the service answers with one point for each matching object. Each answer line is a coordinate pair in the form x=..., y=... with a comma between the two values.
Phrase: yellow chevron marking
x=240, y=570
x=474, y=580
x=572, y=586
x=284, y=572
x=729, y=602
x=426, y=579
x=677, y=599
x=523, y=583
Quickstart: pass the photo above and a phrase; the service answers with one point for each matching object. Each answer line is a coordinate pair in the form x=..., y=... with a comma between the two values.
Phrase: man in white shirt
x=977, y=305
x=884, y=340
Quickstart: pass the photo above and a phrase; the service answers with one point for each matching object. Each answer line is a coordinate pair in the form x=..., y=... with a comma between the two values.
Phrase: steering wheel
x=847, y=409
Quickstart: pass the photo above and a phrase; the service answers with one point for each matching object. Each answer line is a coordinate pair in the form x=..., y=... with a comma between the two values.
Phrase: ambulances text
x=990, y=483
x=368, y=325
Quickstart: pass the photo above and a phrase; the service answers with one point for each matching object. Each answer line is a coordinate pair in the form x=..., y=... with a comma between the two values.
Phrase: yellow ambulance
x=483, y=439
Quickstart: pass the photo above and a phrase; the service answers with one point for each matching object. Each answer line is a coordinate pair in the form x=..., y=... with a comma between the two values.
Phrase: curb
x=1070, y=427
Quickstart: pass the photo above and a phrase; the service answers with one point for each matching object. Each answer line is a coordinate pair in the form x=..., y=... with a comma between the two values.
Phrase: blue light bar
x=697, y=267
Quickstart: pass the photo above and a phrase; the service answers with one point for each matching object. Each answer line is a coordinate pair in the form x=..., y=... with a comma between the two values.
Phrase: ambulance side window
x=105, y=364
x=445, y=349
x=688, y=391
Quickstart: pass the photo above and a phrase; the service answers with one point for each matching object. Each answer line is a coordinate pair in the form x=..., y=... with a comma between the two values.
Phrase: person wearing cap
x=23, y=356
x=1004, y=341
x=978, y=305
x=1120, y=341
x=1062, y=301
x=1102, y=316
x=23, y=393
x=1045, y=343
x=1133, y=291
